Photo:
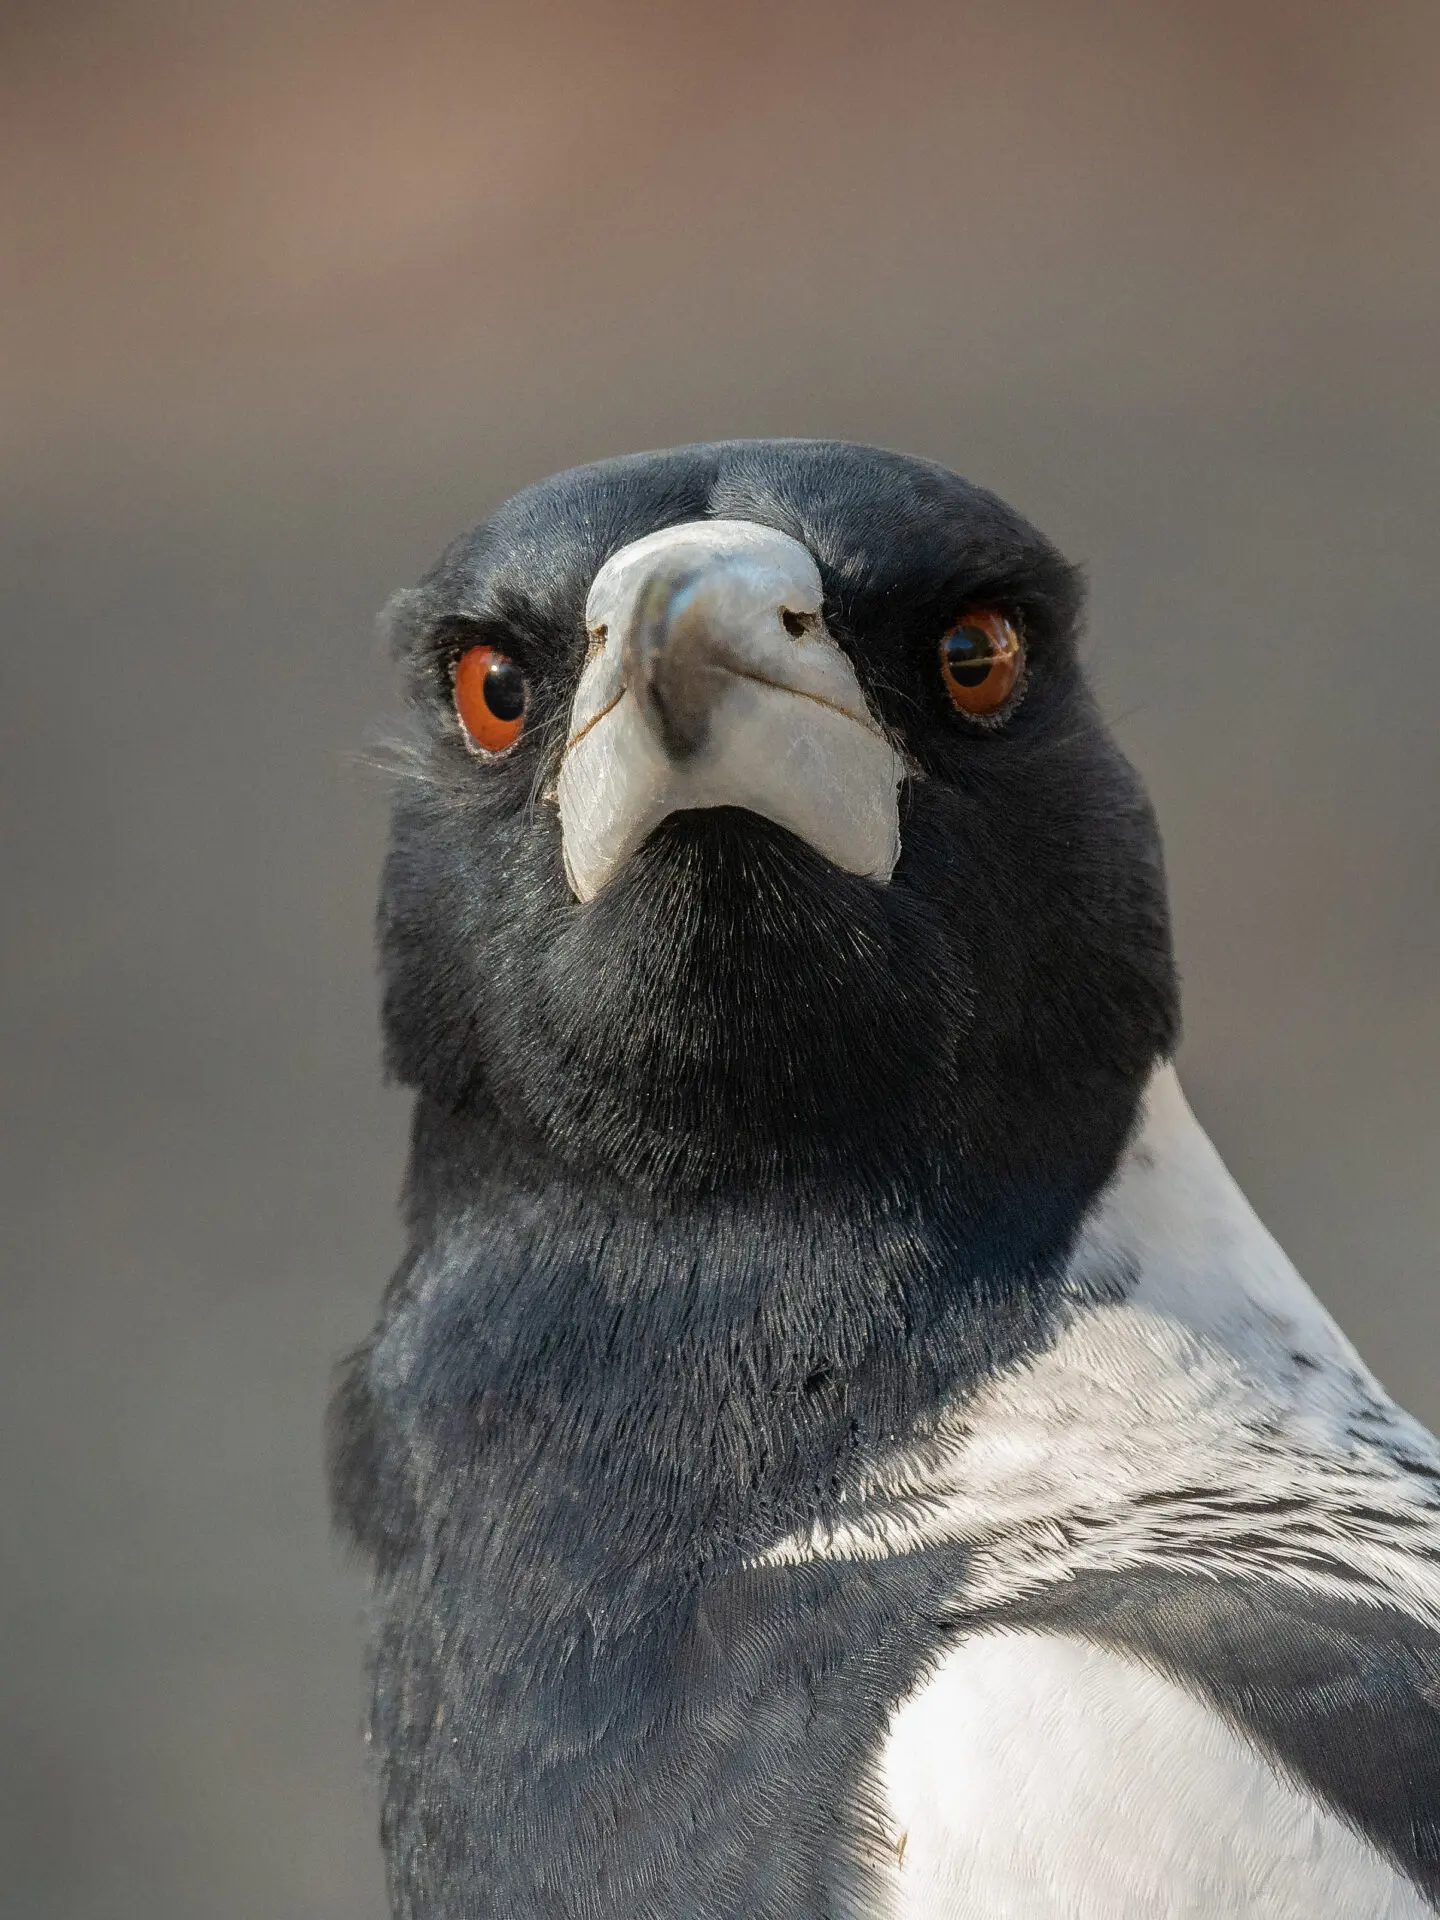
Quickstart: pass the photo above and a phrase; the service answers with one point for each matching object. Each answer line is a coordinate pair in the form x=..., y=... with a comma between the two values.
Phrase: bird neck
x=740, y=1355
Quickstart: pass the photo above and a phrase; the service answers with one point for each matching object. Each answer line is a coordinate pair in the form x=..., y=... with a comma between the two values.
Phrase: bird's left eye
x=490, y=698
x=981, y=659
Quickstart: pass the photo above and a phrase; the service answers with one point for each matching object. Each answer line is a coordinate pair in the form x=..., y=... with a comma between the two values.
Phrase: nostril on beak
x=796, y=624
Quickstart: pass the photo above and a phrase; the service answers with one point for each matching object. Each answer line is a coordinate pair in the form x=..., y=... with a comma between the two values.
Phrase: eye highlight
x=981, y=659
x=490, y=698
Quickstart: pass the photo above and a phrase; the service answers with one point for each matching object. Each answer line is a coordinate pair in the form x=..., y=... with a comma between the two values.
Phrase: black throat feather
x=659, y=1314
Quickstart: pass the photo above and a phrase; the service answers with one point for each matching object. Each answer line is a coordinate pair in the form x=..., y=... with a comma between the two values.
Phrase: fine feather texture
x=1199, y=1474
x=759, y=1336
x=1038, y=1778
x=1211, y=1418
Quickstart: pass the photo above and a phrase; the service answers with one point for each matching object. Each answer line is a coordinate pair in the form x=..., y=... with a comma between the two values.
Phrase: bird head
x=762, y=825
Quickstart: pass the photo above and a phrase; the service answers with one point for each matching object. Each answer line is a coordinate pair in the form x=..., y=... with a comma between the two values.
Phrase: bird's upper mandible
x=712, y=681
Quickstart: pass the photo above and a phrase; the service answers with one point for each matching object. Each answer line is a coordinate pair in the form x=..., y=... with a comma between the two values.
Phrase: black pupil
x=504, y=690
x=968, y=656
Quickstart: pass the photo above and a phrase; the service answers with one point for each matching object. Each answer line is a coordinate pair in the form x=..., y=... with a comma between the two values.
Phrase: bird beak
x=675, y=653
x=712, y=682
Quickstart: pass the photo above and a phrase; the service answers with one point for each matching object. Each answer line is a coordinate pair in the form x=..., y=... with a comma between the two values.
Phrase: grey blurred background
x=292, y=293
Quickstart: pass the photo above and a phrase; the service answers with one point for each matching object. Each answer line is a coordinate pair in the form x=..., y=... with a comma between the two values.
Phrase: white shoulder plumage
x=1197, y=1415
x=1038, y=1778
x=1198, y=1411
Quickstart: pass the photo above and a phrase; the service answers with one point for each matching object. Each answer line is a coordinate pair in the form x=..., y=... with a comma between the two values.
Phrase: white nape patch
x=790, y=734
x=1213, y=1420
x=1033, y=1777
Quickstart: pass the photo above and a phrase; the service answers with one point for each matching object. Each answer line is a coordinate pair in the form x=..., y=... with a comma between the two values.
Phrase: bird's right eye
x=490, y=698
x=981, y=663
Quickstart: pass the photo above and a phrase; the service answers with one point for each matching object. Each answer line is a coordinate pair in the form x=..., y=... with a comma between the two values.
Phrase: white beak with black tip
x=712, y=682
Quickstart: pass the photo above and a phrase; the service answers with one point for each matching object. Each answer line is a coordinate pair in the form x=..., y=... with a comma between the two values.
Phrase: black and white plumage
x=839, y=1443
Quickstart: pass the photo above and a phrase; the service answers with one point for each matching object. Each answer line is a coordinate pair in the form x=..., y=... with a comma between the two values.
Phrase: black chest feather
x=700, y=1751
x=564, y=1450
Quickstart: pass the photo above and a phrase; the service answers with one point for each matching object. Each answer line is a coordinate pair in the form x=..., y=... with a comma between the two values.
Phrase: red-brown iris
x=490, y=698
x=981, y=659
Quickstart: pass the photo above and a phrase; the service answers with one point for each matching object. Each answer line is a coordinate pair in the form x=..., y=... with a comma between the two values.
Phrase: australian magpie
x=839, y=1443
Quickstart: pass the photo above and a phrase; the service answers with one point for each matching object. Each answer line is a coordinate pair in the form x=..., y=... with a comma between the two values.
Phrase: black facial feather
x=732, y=998
x=720, y=1184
